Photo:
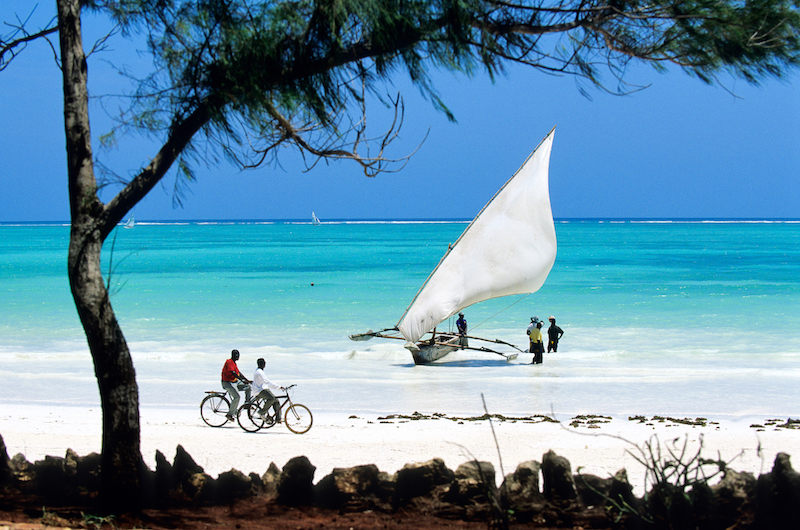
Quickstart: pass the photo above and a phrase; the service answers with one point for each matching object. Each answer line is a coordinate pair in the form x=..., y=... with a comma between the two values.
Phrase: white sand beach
x=339, y=440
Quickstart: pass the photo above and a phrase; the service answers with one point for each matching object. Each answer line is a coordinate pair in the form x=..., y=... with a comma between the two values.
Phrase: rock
x=621, y=489
x=592, y=490
x=778, y=496
x=87, y=470
x=6, y=469
x=473, y=492
x=520, y=492
x=23, y=469
x=735, y=486
x=185, y=479
x=355, y=488
x=270, y=479
x=521, y=488
x=474, y=482
x=704, y=507
x=184, y=465
x=164, y=480
x=414, y=480
x=256, y=485
x=557, y=474
x=729, y=499
x=71, y=462
x=596, y=491
x=189, y=480
x=669, y=506
x=199, y=488
x=50, y=477
x=478, y=471
x=295, y=486
x=233, y=484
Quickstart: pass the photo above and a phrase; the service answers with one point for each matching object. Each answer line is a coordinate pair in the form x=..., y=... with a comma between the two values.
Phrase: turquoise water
x=692, y=318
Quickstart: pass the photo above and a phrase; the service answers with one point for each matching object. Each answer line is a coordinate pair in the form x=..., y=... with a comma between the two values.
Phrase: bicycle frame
x=297, y=417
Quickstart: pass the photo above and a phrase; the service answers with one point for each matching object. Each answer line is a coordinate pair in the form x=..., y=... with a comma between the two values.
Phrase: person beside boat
x=230, y=375
x=537, y=346
x=532, y=325
x=554, y=334
x=461, y=325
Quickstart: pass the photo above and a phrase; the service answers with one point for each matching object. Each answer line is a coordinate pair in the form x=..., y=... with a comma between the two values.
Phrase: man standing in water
x=461, y=324
x=231, y=374
x=554, y=333
x=537, y=347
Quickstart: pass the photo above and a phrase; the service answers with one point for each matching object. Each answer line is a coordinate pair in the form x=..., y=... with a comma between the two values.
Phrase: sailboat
x=314, y=219
x=509, y=248
x=130, y=222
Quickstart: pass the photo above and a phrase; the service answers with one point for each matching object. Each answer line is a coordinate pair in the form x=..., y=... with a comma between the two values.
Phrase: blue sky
x=678, y=149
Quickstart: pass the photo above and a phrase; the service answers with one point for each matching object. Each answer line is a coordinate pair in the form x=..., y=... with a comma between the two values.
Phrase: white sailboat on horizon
x=509, y=248
x=314, y=219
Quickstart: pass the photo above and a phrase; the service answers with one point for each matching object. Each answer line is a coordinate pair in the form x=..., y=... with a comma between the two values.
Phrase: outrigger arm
x=371, y=334
x=383, y=335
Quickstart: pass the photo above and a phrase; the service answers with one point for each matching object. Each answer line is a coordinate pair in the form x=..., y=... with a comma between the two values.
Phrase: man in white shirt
x=261, y=389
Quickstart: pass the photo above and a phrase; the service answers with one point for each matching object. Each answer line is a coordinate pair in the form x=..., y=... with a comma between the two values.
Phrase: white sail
x=314, y=219
x=509, y=248
x=130, y=223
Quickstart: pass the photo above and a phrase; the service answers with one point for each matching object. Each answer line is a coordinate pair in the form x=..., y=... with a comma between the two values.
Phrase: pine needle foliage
x=281, y=70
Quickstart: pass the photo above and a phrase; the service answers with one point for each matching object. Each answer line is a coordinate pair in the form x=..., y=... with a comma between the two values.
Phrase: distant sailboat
x=130, y=222
x=314, y=219
x=509, y=248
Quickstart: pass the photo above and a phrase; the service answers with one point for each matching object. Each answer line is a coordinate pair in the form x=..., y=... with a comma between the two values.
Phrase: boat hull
x=426, y=353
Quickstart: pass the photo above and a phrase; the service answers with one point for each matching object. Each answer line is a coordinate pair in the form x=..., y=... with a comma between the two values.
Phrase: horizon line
x=367, y=220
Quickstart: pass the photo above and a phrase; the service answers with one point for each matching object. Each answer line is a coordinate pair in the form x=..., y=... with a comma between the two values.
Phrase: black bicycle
x=214, y=407
x=297, y=417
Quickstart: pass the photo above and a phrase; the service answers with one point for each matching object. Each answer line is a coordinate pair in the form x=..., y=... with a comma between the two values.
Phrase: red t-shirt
x=230, y=371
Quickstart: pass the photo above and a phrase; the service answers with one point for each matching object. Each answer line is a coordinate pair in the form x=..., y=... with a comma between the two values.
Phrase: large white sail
x=509, y=248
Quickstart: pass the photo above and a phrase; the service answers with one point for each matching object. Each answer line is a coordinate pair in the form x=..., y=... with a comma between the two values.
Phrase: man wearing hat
x=535, y=337
x=532, y=325
x=554, y=333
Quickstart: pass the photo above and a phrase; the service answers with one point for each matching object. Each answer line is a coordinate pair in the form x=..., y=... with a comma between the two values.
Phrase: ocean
x=674, y=318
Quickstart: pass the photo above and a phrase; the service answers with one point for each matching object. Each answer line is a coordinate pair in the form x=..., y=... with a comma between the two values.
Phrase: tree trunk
x=122, y=462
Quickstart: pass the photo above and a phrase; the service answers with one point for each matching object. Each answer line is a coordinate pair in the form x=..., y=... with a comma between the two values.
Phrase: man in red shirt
x=231, y=374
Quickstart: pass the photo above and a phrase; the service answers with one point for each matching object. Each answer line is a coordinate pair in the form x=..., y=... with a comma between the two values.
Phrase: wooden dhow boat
x=508, y=249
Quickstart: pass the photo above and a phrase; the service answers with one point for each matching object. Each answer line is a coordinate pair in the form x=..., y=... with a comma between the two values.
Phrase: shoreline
x=594, y=444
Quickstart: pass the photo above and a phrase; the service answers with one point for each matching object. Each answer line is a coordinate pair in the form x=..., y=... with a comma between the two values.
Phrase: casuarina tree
x=242, y=79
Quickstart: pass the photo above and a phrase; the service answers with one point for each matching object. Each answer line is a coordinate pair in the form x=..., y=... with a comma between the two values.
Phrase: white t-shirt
x=260, y=382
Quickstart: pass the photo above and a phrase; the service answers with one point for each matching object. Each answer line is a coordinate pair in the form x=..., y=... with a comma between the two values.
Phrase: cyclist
x=261, y=388
x=231, y=374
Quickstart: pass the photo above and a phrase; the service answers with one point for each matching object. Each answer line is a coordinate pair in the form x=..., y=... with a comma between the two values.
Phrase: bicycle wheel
x=298, y=418
x=213, y=409
x=250, y=420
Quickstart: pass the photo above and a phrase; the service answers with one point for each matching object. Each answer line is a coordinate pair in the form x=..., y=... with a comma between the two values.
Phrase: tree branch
x=9, y=49
x=180, y=136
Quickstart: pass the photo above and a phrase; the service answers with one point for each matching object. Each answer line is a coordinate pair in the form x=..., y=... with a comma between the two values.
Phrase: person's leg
x=269, y=399
x=227, y=385
x=276, y=407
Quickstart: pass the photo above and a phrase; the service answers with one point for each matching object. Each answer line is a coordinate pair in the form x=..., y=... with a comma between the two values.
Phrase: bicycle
x=214, y=407
x=297, y=417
